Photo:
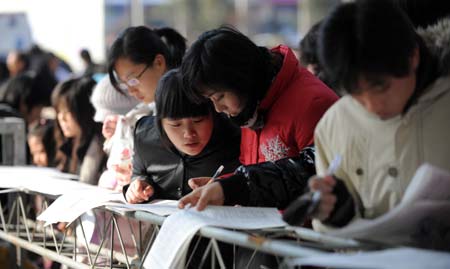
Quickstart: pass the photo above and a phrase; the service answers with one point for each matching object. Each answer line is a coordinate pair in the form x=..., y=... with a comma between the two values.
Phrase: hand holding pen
x=322, y=187
x=319, y=202
x=209, y=194
x=197, y=182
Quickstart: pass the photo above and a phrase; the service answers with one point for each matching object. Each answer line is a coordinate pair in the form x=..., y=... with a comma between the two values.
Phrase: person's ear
x=160, y=62
x=415, y=59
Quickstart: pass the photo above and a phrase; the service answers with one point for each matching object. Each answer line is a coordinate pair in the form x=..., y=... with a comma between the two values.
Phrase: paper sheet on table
x=158, y=207
x=39, y=179
x=171, y=244
x=407, y=258
x=70, y=206
x=426, y=199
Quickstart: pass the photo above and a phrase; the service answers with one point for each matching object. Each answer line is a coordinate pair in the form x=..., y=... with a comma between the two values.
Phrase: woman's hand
x=109, y=126
x=139, y=191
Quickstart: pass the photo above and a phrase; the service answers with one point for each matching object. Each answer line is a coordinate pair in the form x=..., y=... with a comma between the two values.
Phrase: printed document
x=426, y=201
x=170, y=247
x=408, y=258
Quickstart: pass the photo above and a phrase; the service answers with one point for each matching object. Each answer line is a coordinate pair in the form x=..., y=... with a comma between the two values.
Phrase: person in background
x=90, y=68
x=4, y=72
x=17, y=63
x=107, y=101
x=82, y=140
x=60, y=70
x=23, y=93
x=41, y=141
x=137, y=60
x=394, y=116
x=308, y=55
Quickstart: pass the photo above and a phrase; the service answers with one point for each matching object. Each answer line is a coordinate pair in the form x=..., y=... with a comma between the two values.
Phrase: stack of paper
x=70, y=206
x=426, y=201
x=409, y=258
x=39, y=179
x=171, y=245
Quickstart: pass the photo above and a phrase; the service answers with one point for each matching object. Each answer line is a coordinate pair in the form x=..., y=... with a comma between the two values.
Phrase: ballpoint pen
x=217, y=173
x=332, y=168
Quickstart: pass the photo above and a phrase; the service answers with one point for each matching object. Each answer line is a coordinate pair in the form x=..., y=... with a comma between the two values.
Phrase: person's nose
x=189, y=132
x=375, y=106
x=219, y=107
x=133, y=90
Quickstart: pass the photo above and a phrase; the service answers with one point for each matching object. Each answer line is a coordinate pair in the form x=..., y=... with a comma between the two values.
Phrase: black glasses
x=132, y=82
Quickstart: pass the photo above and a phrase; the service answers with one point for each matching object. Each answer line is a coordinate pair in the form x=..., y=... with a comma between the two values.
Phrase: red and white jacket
x=292, y=107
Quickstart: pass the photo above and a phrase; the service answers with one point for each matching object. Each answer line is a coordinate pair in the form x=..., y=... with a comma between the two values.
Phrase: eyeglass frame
x=132, y=82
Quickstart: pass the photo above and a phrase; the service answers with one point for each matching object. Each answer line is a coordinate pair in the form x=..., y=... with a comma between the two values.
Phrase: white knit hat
x=107, y=101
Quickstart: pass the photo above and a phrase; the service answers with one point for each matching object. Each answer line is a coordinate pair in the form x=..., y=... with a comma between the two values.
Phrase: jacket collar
x=282, y=79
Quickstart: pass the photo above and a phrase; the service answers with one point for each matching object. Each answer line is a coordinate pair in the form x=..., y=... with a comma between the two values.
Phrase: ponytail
x=175, y=43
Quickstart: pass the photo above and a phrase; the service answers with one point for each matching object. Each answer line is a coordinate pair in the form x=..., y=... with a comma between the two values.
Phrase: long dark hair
x=75, y=93
x=141, y=45
x=171, y=102
x=224, y=59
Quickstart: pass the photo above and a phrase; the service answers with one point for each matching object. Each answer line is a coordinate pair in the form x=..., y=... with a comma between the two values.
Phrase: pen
x=217, y=173
x=332, y=168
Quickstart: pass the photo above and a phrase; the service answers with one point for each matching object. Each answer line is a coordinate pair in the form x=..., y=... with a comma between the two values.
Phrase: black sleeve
x=270, y=184
x=139, y=172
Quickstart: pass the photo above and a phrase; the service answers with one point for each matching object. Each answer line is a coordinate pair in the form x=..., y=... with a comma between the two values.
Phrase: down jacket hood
x=437, y=39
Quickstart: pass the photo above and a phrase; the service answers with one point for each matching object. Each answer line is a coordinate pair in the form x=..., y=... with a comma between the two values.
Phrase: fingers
x=212, y=195
x=139, y=191
x=123, y=174
x=190, y=198
x=324, y=185
x=327, y=200
x=197, y=182
x=326, y=206
x=109, y=126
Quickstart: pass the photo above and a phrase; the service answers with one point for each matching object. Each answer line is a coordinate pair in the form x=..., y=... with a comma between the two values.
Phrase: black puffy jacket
x=270, y=184
x=169, y=170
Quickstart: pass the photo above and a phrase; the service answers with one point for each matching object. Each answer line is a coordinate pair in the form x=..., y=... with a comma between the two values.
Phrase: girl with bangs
x=184, y=140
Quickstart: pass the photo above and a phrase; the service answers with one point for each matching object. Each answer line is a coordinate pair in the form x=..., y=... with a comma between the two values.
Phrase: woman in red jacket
x=275, y=101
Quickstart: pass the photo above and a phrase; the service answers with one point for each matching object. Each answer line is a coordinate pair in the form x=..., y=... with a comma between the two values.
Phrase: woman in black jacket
x=184, y=140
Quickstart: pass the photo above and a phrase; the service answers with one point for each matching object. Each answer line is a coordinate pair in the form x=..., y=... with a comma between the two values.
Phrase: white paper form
x=39, y=179
x=158, y=207
x=401, y=258
x=70, y=206
x=170, y=247
x=399, y=225
x=426, y=198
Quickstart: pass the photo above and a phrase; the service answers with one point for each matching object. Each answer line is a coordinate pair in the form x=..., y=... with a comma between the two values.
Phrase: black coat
x=168, y=170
